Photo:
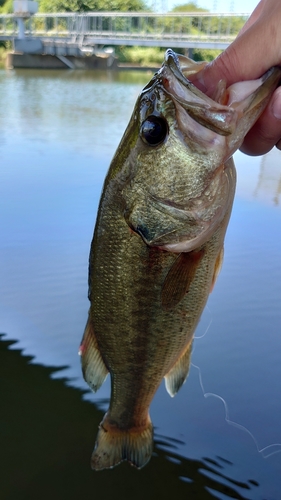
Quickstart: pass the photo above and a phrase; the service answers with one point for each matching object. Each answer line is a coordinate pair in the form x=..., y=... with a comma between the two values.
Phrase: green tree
x=6, y=7
x=91, y=5
x=189, y=7
x=211, y=25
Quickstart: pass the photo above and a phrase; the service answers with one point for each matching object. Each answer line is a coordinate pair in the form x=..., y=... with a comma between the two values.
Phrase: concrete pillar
x=21, y=27
x=23, y=9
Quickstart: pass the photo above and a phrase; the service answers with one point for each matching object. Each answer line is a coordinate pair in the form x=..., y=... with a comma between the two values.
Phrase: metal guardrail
x=199, y=29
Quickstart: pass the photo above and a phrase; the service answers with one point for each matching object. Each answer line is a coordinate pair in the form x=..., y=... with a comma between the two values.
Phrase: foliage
x=3, y=55
x=188, y=7
x=205, y=54
x=91, y=5
x=7, y=7
x=208, y=24
x=145, y=56
x=148, y=56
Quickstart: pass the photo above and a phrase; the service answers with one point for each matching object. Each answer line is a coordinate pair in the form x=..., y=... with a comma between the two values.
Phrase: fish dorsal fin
x=178, y=374
x=217, y=268
x=93, y=367
x=179, y=278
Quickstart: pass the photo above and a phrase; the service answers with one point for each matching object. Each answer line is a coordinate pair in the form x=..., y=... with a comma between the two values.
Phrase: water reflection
x=46, y=434
x=51, y=174
x=260, y=177
x=69, y=108
x=269, y=180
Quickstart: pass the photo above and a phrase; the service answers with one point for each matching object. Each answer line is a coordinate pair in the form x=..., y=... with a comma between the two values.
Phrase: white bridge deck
x=178, y=30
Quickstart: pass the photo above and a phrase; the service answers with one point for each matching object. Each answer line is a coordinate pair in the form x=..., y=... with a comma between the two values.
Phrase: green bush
x=148, y=56
x=3, y=55
x=205, y=54
x=145, y=56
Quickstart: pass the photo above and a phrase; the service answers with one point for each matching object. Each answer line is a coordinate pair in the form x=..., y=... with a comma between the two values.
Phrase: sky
x=240, y=6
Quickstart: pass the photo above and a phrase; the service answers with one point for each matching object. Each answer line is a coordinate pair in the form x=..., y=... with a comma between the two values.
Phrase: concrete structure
x=47, y=61
x=24, y=9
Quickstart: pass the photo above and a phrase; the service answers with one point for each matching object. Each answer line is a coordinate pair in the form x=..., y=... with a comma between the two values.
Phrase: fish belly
x=138, y=340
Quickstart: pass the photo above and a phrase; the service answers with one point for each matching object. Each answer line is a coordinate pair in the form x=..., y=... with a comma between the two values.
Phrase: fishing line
x=265, y=453
x=206, y=331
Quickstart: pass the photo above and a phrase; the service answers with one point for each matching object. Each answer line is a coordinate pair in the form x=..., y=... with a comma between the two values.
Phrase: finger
x=252, y=53
x=267, y=130
x=253, y=17
x=247, y=58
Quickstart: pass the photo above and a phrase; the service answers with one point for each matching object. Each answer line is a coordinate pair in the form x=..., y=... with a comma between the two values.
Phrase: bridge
x=202, y=30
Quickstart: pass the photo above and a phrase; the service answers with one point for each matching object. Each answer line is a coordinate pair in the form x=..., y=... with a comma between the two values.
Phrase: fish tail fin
x=113, y=445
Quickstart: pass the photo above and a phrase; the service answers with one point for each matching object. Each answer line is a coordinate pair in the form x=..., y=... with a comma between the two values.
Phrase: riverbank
x=69, y=56
x=135, y=60
x=103, y=61
x=13, y=60
x=138, y=67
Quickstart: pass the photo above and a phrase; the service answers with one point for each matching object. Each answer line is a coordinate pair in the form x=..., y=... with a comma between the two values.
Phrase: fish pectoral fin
x=113, y=445
x=217, y=268
x=93, y=367
x=179, y=278
x=176, y=377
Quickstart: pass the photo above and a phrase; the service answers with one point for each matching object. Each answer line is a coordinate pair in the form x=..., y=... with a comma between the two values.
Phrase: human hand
x=256, y=49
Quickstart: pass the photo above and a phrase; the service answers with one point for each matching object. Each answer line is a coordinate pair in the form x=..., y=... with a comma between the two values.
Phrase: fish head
x=180, y=180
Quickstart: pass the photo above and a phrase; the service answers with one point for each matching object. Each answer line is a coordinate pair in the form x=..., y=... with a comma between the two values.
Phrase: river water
x=220, y=437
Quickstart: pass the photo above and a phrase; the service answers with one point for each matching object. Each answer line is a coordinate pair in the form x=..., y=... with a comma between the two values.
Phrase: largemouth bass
x=158, y=245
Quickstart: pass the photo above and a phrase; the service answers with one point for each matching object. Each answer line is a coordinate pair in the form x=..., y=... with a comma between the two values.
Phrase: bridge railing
x=130, y=25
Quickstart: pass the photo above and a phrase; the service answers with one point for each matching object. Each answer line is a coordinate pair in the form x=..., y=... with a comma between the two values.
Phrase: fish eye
x=154, y=130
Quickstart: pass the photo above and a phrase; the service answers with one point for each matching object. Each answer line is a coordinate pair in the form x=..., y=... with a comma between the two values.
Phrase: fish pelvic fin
x=113, y=445
x=93, y=367
x=176, y=377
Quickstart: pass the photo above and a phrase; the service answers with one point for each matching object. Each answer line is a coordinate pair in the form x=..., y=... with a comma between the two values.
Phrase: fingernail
x=276, y=104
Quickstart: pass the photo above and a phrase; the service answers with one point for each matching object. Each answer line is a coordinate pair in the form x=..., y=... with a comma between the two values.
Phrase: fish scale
x=158, y=246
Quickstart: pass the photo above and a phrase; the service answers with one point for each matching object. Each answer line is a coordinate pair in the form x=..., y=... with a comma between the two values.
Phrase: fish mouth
x=180, y=228
x=223, y=112
x=220, y=118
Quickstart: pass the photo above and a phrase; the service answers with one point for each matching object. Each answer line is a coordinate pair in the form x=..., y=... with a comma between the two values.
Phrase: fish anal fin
x=217, y=268
x=176, y=377
x=179, y=278
x=93, y=367
x=113, y=445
